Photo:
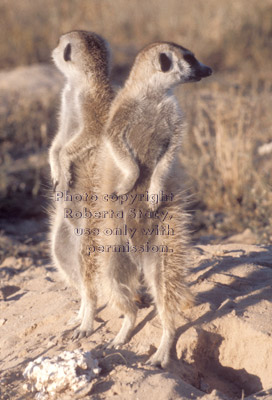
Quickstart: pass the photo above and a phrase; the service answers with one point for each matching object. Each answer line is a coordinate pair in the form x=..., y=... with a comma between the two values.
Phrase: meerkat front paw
x=153, y=191
x=55, y=176
x=66, y=165
x=128, y=180
x=153, y=206
x=55, y=183
x=124, y=187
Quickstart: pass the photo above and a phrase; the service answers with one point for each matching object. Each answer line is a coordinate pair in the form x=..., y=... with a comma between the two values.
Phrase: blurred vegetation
x=228, y=115
x=221, y=153
x=230, y=34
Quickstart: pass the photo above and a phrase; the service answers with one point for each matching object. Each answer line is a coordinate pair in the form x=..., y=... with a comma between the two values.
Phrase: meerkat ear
x=165, y=62
x=67, y=52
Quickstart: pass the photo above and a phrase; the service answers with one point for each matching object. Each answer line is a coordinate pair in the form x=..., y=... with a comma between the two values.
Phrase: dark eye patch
x=165, y=62
x=67, y=52
x=190, y=58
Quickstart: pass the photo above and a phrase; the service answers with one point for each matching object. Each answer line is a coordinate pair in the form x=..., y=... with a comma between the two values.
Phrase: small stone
x=51, y=376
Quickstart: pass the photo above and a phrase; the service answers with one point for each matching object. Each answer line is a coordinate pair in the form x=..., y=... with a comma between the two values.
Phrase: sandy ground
x=223, y=344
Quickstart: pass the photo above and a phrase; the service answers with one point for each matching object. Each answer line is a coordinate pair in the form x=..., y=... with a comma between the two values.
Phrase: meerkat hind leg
x=124, y=334
x=86, y=315
x=123, y=281
x=162, y=355
x=153, y=279
x=65, y=254
x=79, y=315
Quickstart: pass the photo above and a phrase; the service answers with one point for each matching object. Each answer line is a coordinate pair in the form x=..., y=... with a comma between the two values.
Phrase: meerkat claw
x=78, y=334
x=55, y=184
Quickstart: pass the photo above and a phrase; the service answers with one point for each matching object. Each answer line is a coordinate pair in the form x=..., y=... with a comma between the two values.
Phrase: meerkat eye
x=165, y=62
x=67, y=52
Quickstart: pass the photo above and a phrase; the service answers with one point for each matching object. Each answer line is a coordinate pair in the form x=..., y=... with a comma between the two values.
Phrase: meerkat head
x=82, y=53
x=166, y=65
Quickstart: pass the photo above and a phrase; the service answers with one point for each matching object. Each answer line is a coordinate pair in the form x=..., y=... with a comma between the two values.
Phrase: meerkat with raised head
x=84, y=59
x=139, y=160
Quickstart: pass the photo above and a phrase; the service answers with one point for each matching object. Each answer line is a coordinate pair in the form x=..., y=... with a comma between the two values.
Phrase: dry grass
x=220, y=154
x=230, y=34
x=222, y=142
x=228, y=115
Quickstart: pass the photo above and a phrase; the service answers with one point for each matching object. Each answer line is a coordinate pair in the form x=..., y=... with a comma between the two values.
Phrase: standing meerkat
x=84, y=59
x=146, y=232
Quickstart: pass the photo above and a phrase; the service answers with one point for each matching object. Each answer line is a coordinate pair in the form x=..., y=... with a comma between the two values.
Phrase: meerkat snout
x=198, y=70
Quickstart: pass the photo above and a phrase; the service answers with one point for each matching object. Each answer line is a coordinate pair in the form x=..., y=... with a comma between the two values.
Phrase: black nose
x=209, y=71
x=206, y=71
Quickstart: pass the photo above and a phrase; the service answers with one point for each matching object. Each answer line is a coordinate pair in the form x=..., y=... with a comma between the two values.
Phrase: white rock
x=50, y=376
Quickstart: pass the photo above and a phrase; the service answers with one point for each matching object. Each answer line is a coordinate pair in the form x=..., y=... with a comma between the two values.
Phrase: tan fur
x=140, y=154
x=84, y=109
